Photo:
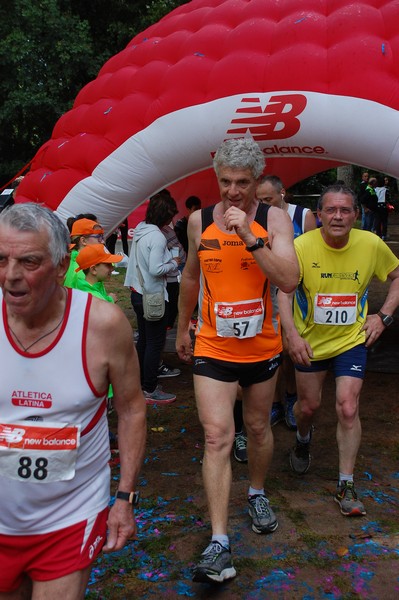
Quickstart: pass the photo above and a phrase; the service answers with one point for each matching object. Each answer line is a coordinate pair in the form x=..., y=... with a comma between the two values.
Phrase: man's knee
x=306, y=406
x=258, y=429
x=219, y=439
x=347, y=411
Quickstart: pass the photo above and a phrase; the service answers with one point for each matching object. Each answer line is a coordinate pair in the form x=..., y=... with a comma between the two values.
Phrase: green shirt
x=71, y=276
x=96, y=289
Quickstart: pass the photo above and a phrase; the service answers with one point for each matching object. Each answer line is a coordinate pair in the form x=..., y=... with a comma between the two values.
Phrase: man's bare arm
x=119, y=358
x=279, y=262
x=189, y=287
x=373, y=326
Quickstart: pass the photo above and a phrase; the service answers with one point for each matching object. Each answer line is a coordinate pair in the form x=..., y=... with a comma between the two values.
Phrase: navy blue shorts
x=351, y=363
x=245, y=373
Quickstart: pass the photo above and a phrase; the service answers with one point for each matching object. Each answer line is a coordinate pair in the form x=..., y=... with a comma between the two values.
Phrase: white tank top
x=54, y=446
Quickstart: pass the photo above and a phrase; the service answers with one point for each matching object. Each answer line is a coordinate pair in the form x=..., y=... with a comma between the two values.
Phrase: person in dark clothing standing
x=369, y=202
x=192, y=203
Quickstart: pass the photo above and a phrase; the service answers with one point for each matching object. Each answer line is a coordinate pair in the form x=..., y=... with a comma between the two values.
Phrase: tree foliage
x=49, y=49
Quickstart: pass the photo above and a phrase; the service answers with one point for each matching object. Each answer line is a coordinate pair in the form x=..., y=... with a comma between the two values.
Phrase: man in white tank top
x=61, y=349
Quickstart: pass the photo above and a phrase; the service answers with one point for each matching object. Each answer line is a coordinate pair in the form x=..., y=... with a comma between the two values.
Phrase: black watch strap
x=260, y=243
x=386, y=319
x=131, y=497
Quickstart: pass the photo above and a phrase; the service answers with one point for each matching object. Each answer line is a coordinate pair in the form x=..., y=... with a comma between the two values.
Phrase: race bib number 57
x=38, y=452
x=335, y=309
x=239, y=319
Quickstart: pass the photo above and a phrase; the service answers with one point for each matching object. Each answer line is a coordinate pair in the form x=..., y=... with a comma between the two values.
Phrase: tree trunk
x=346, y=174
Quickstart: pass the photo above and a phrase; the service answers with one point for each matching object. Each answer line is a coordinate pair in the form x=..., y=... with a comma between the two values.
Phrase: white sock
x=253, y=492
x=344, y=477
x=223, y=540
x=303, y=440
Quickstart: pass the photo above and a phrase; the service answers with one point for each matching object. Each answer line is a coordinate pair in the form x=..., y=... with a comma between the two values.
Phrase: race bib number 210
x=335, y=309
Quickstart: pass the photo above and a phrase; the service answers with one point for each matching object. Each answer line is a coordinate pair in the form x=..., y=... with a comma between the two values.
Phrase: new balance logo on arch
x=278, y=120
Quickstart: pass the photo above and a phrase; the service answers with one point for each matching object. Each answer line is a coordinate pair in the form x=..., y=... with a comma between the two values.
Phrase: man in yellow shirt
x=331, y=328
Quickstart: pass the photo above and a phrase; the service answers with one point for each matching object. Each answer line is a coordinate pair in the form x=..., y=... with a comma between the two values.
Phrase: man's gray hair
x=241, y=153
x=34, y=218
x=337, y=188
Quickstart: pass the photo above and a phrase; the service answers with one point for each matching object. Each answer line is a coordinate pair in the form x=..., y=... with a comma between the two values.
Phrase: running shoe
x=277, y=413
x=240, y=447
x=263, y=518
x=289, y=401
x=159, y=397
x=215, y=566
x=300, y=457
x=165, y=371
x=347, y=499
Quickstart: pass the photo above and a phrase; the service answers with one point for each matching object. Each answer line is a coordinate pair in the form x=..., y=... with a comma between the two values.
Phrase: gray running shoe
x=348, y=502
x=300, y=457
x=263, y=518
x=215, y=566
x=165, y=371
x=159, y=397
x=240, y=447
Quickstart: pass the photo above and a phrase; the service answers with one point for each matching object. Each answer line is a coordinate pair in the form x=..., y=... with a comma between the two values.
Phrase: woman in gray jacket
x=149, y=251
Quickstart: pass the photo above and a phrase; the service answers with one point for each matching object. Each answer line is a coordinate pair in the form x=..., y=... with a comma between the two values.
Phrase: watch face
x=386, y=319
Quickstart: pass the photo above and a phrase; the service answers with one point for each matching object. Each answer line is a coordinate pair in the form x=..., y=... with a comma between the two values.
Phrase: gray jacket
x=149, y=248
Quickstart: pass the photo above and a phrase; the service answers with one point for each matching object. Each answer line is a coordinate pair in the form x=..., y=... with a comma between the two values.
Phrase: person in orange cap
x=96, y=263
x=84, y=232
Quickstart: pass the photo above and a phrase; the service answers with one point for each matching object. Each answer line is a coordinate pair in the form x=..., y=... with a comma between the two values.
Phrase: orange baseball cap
x=86, y=227
x=95, y=254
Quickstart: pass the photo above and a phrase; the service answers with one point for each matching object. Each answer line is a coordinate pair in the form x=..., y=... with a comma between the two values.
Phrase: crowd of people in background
x=375, y=198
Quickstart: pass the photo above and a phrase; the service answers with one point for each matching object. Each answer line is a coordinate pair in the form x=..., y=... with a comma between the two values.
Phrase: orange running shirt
x=237, y=307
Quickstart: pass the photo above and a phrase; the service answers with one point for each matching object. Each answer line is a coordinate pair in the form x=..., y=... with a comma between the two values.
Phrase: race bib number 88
x=239, y=319
x=38, y=452
x=335, y=309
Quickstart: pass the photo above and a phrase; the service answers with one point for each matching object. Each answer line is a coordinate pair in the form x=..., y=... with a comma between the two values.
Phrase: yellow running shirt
x=330, y=304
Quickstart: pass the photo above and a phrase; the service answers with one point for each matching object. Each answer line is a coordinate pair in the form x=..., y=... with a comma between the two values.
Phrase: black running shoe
x=300, y=457
x=240, y=447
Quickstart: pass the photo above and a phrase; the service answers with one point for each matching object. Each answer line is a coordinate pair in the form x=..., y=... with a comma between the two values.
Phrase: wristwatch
x=260, y=243
x=386, y=319
x=131, y=497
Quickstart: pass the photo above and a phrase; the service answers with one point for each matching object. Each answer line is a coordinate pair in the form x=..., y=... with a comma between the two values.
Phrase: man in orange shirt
x=238, y=251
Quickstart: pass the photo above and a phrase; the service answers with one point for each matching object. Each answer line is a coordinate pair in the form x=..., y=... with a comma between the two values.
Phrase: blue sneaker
x=289, y=401
x=277, y=413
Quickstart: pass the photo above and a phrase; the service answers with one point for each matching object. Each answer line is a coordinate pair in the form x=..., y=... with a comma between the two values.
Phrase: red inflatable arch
x=315, y=83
